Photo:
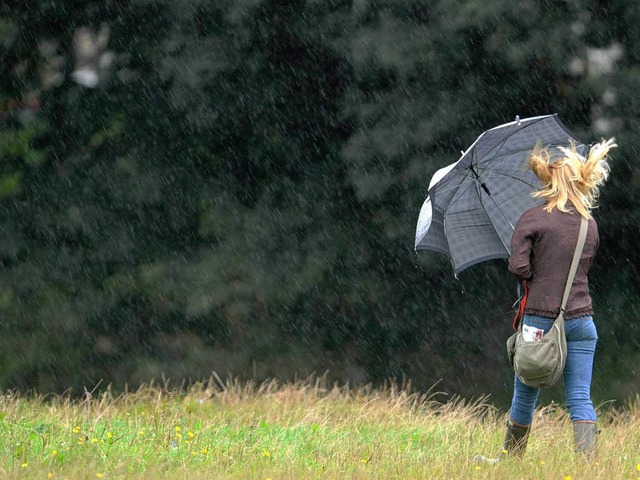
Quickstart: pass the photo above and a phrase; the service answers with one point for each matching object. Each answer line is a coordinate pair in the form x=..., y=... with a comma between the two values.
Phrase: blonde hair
x=571, y=177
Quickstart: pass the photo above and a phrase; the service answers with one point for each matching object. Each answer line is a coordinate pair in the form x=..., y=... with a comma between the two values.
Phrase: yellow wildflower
x=24, y=465
x=76, y=429
x=50, y=475
x=54, y=453
x=98, y=475
x=191, y=434
x=266, y=453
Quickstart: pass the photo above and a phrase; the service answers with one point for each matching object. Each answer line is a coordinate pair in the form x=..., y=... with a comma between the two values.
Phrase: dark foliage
x=239, y=191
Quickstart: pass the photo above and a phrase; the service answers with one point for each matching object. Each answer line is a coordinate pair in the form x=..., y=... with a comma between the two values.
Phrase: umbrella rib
x=441, y=186
x=504, y=216
x=459, y=193
x=479, y=183
x=513, y=178
x=498, y=154
x=467, y=172
x=518, y=130
x=478, y=165
x=508, y=250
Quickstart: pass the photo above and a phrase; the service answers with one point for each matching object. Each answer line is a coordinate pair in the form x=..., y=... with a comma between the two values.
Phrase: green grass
x=299, y=430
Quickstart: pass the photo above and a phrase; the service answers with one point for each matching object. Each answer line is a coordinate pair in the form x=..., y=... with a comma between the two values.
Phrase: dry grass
x=306, y=429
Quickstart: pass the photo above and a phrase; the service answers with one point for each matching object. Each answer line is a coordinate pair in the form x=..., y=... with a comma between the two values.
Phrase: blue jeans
x=581, y=345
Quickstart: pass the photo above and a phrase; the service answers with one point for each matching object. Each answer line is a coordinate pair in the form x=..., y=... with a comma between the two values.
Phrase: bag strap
x=584, y=225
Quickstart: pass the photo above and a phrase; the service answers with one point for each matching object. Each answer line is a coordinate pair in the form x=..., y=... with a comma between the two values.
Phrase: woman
x=542, y=246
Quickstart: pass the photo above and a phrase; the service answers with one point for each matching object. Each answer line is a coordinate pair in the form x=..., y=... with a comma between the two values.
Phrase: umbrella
x=473, y=205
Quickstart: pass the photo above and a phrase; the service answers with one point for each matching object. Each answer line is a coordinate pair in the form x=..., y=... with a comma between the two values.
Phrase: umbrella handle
x=521, y=302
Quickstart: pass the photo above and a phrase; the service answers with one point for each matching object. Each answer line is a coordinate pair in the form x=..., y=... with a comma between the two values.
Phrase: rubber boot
x=515, y=443
x=516, y=438
x=584, y=438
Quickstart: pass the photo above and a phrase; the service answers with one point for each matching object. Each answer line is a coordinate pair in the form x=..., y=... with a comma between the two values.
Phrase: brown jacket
x=542, y=247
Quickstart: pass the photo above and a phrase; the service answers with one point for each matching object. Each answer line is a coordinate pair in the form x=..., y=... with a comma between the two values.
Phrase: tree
x=239, y=192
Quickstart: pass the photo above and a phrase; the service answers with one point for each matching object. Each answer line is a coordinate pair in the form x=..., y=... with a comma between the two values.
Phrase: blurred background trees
x=190, y=186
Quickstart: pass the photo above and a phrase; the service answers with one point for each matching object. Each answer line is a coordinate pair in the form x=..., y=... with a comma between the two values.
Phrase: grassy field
x=303, y=430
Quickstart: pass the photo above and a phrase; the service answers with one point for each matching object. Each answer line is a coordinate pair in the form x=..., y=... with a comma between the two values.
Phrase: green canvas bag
x=541, y=363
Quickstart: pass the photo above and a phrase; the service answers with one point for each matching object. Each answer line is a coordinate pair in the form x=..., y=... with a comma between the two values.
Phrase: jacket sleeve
x=521, y=244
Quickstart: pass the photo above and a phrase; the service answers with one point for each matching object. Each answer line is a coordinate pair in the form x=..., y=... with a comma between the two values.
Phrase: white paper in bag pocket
x=532, y=334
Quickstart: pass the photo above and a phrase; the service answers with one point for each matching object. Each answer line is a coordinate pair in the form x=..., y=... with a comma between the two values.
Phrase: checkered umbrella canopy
x=474, y=204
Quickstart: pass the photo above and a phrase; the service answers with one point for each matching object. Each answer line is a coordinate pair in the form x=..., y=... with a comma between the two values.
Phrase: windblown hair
x=572, y=177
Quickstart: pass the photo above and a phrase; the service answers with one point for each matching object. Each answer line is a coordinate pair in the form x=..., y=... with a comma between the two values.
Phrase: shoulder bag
x=541, y=363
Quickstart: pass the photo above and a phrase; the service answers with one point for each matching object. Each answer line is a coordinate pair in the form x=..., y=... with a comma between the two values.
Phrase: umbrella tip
x=518, y=119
